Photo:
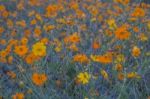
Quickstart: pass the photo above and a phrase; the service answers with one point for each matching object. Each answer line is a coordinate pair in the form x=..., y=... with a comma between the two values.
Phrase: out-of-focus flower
x=82, y=58
x=74, y=38
x=83, y=77
x=39, y=49
x=112, y=23
x=18, y=96
x=120, y=58
x=21, y=50
x=136, y=51
x=104, y=59
x=119, y=67
x=73, y=47
x=95, y=45
x=142, y=37
x=121, y=76
x=31, y=58
x=37, y=32
x=138, y=12
x=133, y=75
x=39, y=79
x=122, y=33
x=11, y=74
x=21, y=23
x=104, y=74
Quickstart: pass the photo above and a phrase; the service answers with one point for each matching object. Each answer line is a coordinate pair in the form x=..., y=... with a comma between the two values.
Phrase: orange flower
x=10, y=23
x=74, y=38
x=21, y=23
x=121, y=76
x=21, y=50
x=135, y=29
x=51, y=10
x=37, y=32
x=18, y=96
x=33, y=22
x=11, y=74
x=122, y=33
x=48, y=28
x=31, y=58
x=104, y=59
x=95, y=45
x=39, y=79
x=1, y=30
x=82, y=58
x=5, y=14
x=73, y=47
x=10, y=59
x=119, y=67
x=44, y=40
x=138, y=12
x=2, y=42
x=136, y=51
x=24, y=40
x=27, y=33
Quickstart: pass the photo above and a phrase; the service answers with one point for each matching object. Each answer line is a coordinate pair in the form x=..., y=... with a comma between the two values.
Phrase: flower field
x=74, y=49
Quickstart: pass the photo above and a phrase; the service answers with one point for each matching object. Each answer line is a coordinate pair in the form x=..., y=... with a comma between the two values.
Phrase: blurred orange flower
x=39, y=79
x=82, y=58
x=21, y=50
x=18, y=96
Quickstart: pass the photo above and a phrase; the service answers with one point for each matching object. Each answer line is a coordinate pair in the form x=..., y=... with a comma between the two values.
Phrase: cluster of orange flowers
x=84, y=28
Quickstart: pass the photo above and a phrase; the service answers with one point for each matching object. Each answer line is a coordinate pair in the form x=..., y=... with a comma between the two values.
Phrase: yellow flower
x=111, y=23
x=148, y=25
x=39, y=49
x=83, y=77
x=58, y=48
x=133, y=75
x=120, y=58
x=104, y=74
x=143, y=37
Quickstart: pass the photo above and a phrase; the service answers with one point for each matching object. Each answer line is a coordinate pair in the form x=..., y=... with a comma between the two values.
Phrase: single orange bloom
x=3, y=42
x=37, y=32
x=24, y=40
x=138, y=12
x=119, y=67
x=104, y=59
x=121, y=76
x=39, y=79
x=21, y=50
x=95, y=45
x=10, y=59
x=122, y=33
x=31, y=58
x=135, y=29
x=21, y=23
x=18, y=96
x=27, y=33
x=136, y=51
x=82, y=58
x=74, y=38
x=44, y=40
x=11, y=74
